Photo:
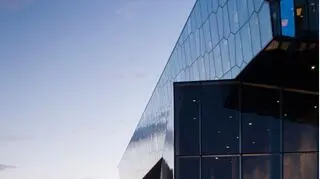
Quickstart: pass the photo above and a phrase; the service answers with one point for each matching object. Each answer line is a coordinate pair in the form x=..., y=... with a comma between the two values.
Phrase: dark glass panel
x=301, y=122
x=186, y=107
x=300, y=166
x=313, y=8
x=264, y=167
x=220, y=168
x=220, y=123
x=261, y=124
x=188, y=168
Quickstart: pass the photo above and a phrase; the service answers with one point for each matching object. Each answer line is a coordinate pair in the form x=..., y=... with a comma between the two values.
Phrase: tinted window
x=188, y=168
x=260, y=119
x=186, y=109
x=220, y=168
x=300, y=166
x=220, y=123
x=256, y=167
x=301, y=124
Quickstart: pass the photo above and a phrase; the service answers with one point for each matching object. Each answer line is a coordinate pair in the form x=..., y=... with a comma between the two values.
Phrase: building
x=238, y=97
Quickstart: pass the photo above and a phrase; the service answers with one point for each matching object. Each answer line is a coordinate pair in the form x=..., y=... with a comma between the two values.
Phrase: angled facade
x=272, y=44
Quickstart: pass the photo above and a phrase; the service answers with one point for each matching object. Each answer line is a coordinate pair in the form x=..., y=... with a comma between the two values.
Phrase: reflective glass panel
x=301, y=122
x=188, y=168
x=220, y=123
x=220, y=168
x=261, y=124
x=261, y=167
x=186, y=118
x=300, y=166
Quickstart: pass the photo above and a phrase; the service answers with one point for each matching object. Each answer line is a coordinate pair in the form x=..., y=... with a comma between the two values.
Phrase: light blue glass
x=212, y=71
x=225, y=55
x=238, y=49
x=246, y=42
x=206, y=65
x=214, y=30
x=232, y=51
x=257, y=4
x=233, y=15
x=255, y=34
x=207, y=37
x=217, y=61
x=265, y=25
x=226, y=23
x=243, y=11
x=220, y=23
x=197, y=44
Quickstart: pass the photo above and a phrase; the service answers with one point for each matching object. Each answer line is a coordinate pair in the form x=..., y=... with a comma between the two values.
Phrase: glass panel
x=265, y=25
x=232, y=52
x=250, y=7
x=215, y=4
x=246, y=42
x=238, y=50
x=220, y=23
x=225, y=55
x=188, y=168
x=226, y=26
x=212, y=66
x=197, y=39
x=261, y=167
x=186, y=111
x=261, y=124
x=207, y=37
x=243, y=11
x=204, y=9
x=193, y=47
x=220, y=168
x=314, y=15
x=233, y=15
x=202, y=42
x=301, y=124
x=287, y=17
x=300, y=166
x=207, y=65
x=201, y=68
x=255, y=34
x=257, y=4
x=214, y=30
x=217, y=61
x=220, y=123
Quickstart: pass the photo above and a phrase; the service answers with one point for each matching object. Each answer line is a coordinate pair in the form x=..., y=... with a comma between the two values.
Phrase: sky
x=75, y=77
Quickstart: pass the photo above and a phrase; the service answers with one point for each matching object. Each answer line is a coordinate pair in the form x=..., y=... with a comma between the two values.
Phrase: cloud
x=14, y=4
x=4, y=167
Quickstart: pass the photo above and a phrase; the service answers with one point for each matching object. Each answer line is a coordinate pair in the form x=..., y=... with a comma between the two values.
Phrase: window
x=220, y=123
x=301, y=125
x=188, y=168
x=265, y=166
x=220, y=168
x=187, y=120
x=261, y=123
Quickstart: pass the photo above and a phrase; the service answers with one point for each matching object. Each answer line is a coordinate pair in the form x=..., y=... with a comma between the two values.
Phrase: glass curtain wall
x=227, y=129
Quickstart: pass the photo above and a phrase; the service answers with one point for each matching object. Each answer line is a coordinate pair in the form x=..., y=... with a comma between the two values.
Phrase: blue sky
x=75, y=77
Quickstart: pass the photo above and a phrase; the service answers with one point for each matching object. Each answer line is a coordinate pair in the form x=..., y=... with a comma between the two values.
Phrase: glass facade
x=219, y=40
x=227, y=129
